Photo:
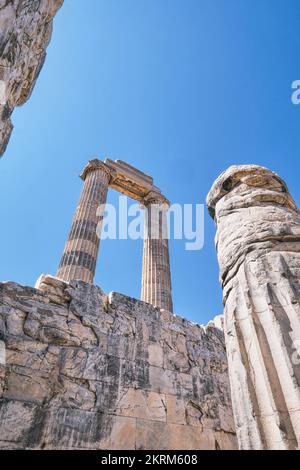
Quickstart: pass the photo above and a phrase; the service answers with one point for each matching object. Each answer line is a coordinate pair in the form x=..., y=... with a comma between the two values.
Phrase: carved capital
x=154, y=197
x=249, y=185
x=94, y=165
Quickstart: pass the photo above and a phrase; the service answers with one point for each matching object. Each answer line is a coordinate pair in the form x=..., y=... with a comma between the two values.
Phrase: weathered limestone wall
x=258, y=244
x=90, y=371
x=25, y=31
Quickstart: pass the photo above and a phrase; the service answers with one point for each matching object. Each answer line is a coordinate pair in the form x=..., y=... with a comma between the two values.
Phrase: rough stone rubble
x=25, y=31
x=90, y=371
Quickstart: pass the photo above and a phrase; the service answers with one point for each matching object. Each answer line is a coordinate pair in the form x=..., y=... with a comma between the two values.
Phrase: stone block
x=72, y=428
x=16, y=419
x=155, y=354
x=120, y=346
x=29, y=385
x=175, y=410
x=75, y=395
x=225, y=441
x=122, y=434
x=174, y=360
x=161, y=436
x=138, y=403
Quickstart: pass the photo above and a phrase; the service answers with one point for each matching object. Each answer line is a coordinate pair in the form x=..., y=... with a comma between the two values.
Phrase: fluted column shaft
x=258, y=245
x=81, y=250
x=156, y=275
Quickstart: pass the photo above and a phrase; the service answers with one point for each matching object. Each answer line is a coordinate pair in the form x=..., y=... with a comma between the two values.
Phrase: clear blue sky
x=180, y=89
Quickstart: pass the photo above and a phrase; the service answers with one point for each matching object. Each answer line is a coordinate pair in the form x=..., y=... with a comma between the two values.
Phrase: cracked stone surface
x=258, y=245
x=25, y=32
x=89, y=371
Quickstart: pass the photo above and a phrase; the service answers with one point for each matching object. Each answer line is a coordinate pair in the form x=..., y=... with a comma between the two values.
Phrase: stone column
x=81, y=250
x=258, y=245
x=156, y=275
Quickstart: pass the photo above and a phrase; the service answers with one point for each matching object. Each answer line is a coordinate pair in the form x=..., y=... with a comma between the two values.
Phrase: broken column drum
x=258, y=245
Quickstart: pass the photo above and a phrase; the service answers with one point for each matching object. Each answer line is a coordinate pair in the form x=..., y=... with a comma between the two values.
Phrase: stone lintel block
x=129, y=181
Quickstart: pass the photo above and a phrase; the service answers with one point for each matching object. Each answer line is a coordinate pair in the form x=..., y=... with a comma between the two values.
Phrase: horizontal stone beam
x=128, y=180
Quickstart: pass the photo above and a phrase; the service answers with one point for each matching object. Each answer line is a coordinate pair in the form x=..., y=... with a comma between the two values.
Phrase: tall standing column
x=156, y=275
x=258, y=245
x=81, y=250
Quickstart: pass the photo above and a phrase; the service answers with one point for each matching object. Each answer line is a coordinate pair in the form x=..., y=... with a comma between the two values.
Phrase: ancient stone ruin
x=86, y=370
x=81, y=251
x=80, y=369
x=258, y=244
